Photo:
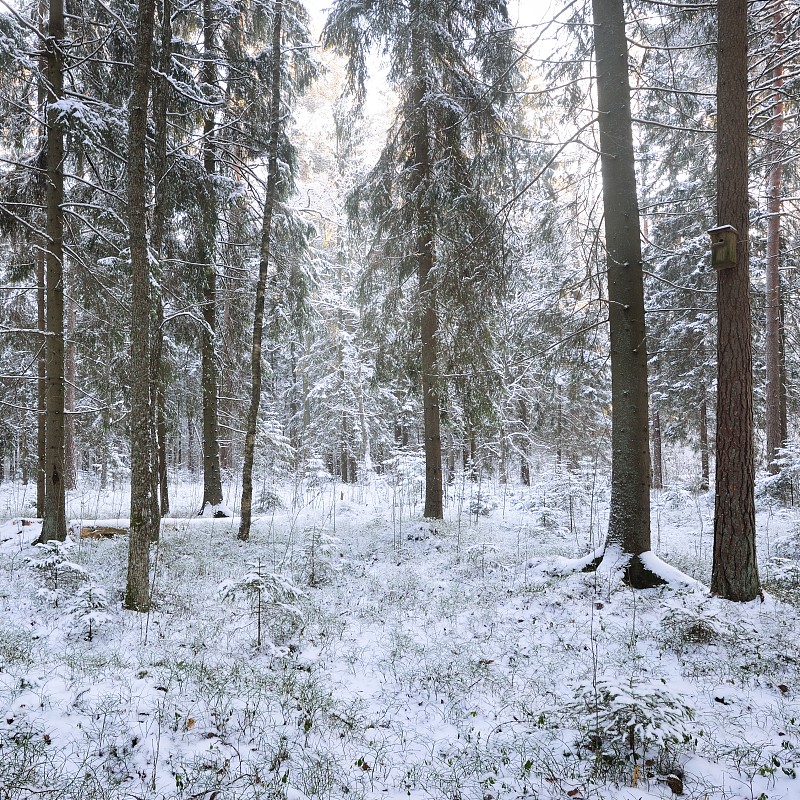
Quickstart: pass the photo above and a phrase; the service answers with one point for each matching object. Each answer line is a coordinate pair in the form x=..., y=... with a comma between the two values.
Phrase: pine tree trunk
x=784, y=387
x=306, y=397
x=41, y=358
x=503, y=477
x=774, y=333
x=473, y=455
x=22, y=452
x=163, y=484
x=658, y=475
x=160, y=213
x=524, y=466
x=54, y=525
x=704, y=466
x=294, y=407
x=434, y=506
x=70, y=377
x=258, y=320
x=734, y=573
x=212, y=476
x=228, y=405
x=137, y=592
x=629, y=520
x=366, y=454
x=41, y=396
x=105, y=450
x=559, y=432
x=156, y=343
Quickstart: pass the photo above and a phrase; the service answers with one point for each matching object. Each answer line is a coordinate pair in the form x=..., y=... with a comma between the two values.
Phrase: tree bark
x=54, y=525
x=658, y=475
x=160, y=213
x=629, y=520
x=429, y=327
x=704, y=466
x=212, y=476
x=503, y=443
x=734, y=573
x=258, y=320
x=41, y=358
x=774, y=332
x=524, y=465
x=70, y=377
x=41, y=396
x=137, y=592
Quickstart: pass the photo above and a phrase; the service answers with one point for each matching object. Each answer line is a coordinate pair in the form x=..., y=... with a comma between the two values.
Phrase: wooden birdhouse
x=723, y=246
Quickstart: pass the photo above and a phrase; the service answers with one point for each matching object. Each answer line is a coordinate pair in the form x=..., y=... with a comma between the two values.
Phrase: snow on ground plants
x=352, y=649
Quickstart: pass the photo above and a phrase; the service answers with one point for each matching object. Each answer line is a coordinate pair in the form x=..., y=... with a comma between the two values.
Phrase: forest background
x=352, y=281
x=522, y=364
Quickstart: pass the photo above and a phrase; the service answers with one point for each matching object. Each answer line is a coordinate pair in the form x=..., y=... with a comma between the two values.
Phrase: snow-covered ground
x=397, y=658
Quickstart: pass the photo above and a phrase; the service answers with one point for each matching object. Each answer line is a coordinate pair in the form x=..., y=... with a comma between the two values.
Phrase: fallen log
x=102, y=532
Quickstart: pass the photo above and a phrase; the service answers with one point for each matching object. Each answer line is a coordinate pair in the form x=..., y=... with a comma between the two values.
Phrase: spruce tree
x=54, y=525
x=427, y=198
x=137, y=592
x=629, y=520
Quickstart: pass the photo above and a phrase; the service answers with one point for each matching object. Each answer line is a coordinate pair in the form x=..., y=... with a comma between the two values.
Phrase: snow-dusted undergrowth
x=397, y=658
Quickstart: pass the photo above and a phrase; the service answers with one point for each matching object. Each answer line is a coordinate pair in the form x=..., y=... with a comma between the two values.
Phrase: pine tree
x=775, y=396
x=734, y=573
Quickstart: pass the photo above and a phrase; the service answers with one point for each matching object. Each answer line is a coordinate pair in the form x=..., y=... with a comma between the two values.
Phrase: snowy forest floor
x=397, y=658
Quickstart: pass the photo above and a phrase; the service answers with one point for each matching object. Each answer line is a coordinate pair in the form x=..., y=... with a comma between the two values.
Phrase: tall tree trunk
x=21, y=451
x=306, y=397
x=774, y=332
x=70, y=377
x=41, y=396
x=266, y=233
x=212, y=477
x=160, y=213
x=559, y=431
x=658, y=475
x=629, y=520
x=784, y=387
x=473, y=454
x=704, y=466
x=54, y=524
x=734, y=573
x=294, y=407
x=427, y=287
x=503, y=442
x=524, y=465
x=137, y=592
